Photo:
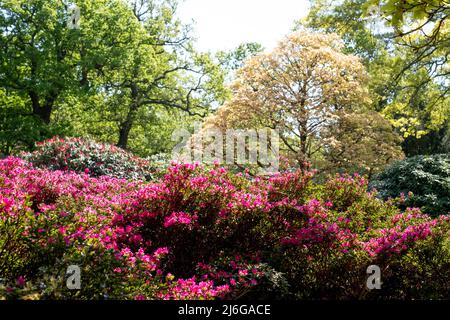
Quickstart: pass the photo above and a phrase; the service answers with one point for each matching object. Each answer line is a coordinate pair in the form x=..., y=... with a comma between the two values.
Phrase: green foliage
x=401, y=12
x=44, y=61
x=233, y=60
x=407, y=75
x=160, y=77
x=127, y=74
x=19, y=129
x=346, y=18
x=424, y=182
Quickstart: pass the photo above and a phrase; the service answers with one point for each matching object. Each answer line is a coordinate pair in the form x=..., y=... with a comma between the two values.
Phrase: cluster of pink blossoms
x=190, y=289
x=179, y=218
x=197, y=223
x=396, y=240
x=319, y=229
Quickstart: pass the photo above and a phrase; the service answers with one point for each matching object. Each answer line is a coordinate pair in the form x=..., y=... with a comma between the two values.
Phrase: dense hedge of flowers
x=205, y=233
x=87, y=156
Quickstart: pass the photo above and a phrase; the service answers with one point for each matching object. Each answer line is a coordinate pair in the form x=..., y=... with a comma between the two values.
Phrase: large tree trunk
x=303, y=155
x=125, y=127
x=44, y=112
x=124, y=133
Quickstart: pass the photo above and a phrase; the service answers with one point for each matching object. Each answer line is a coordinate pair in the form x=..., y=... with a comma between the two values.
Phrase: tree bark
x=125, y=127
x=43, y=112
x=124, y=133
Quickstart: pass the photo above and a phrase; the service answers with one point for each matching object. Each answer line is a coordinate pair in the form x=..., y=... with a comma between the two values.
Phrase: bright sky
x=224, y=24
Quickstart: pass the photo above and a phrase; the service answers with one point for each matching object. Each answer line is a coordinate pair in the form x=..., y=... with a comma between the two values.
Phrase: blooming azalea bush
x=86, y=156
x=348, y=229
x=207, y=233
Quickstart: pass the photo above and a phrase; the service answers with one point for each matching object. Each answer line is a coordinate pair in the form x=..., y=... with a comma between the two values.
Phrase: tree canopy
x=408, y=85
x=128, y=73
x=125, y=67
x=314, y=94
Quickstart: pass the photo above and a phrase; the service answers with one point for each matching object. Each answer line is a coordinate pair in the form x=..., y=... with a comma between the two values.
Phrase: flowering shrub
x=206, y=233
x=86, y=156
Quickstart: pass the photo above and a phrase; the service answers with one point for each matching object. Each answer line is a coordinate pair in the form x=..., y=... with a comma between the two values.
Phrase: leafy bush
x=420, y=181
x=206, y=233
x=19, y=130
x=86, y=156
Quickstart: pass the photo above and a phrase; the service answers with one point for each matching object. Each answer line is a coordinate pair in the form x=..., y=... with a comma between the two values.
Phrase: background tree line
x=130, y=75
x=127, y=75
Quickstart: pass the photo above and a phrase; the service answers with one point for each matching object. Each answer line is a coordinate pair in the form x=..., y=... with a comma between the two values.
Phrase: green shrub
x=420, y=181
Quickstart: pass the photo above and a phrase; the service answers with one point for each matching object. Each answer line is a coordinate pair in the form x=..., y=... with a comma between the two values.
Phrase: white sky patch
x=224, y=24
